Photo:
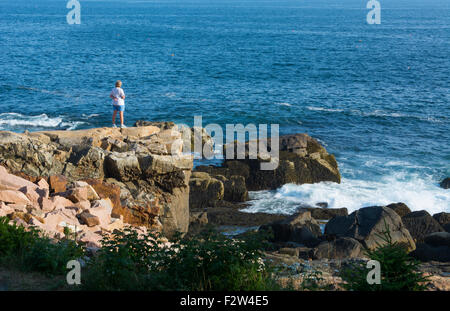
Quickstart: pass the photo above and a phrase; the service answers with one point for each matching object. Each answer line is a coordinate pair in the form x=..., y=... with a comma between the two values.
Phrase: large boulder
x=58, y=183
x=446, y=227
x=301, y=160
x=174, y=210
x=90, y=220
x=85, y=162
x=205, y=191
x=436, y=247
x=367, y=224
x=235, y=189
x=442, y=218
x=300, y=228
x=438, y=239
x=340, y=248
x=420, y=224
x=13, y=196
x=102, y=210
x=12, y=182
x=400, y=208
x=123, y=166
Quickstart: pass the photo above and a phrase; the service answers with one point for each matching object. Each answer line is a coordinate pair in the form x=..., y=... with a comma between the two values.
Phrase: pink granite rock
x=91, y=193
x=5, y=210
x=31, y=194
x=102, y=209
x=76, y=194
x=46, y=204
x=12, y=182
x=91, y=239
x=116, y=224
x=42, y=183
x=61, y=202
x=60, y=218
x=13, y=196
x=83, y=205
x=89, y=219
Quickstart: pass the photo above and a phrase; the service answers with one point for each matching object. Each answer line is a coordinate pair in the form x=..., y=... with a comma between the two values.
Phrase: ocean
x=376, y=96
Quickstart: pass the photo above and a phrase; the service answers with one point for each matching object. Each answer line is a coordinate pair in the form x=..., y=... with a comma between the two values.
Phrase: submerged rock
x=445, y=183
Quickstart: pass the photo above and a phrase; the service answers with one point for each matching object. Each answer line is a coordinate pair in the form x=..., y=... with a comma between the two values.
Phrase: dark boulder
x=400, y=208
x=205, y=191
x=367, y=224
x=438, y=239
x=446, y=227
x=442, y=218
x=435, y=248
x=300, y=228
x=235, y=189
x=445, y=183
x=340, y=248
x=425, y=252
x=420, y=224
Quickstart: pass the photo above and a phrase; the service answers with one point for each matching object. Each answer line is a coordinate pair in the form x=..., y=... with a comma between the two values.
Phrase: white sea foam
x=323, y=109
x=13, y=121
x=283, y=104
x=417, y=192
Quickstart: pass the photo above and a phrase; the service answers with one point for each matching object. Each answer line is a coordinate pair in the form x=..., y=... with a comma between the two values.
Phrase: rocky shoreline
x=89, y=182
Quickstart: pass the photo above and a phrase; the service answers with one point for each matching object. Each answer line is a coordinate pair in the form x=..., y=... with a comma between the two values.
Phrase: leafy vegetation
x=399, y=271
x=209, y=262
x=28, y=250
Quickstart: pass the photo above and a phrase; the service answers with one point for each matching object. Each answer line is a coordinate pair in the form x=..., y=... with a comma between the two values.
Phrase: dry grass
x=15, y=280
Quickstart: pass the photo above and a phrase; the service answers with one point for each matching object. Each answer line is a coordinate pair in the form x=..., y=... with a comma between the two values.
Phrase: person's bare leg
x=121, y=117
x=114, y=117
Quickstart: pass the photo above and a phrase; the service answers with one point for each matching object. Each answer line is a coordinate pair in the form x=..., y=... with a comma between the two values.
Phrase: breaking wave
x=15, y=121
x=418, y=193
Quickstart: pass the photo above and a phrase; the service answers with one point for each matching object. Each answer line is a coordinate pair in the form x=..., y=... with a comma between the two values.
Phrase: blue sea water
x=377, y=96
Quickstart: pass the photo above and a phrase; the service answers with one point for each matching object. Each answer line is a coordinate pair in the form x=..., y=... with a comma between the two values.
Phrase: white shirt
x=118, y=93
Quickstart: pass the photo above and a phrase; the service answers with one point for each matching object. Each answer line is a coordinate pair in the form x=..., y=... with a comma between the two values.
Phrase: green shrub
x=27, y=250
x=399, y=271
x=209, y=262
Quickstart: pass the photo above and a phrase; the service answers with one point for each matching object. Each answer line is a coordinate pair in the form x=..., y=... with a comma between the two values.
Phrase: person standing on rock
x=118, y=100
